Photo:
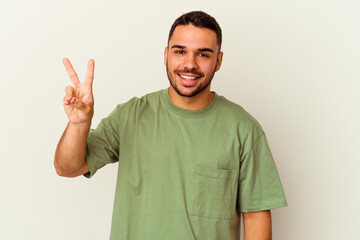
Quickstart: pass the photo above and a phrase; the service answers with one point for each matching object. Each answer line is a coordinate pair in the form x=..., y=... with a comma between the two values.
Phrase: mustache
x=192, y=71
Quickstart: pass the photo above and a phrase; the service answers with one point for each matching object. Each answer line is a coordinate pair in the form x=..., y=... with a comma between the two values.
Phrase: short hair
x=198, y=19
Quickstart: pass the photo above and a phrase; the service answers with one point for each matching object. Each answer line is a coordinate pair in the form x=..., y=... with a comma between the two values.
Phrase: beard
x=201, y=87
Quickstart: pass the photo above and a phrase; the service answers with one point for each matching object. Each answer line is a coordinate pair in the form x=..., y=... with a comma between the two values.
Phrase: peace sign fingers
x=71, y=72
x=90, y=72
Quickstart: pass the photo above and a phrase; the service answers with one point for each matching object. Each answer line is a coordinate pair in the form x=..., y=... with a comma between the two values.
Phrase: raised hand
x=79, y=100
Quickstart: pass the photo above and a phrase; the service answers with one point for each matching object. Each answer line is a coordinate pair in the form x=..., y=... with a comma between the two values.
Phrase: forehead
x=193, y=37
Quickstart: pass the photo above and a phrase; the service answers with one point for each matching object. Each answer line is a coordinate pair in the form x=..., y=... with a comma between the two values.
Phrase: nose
x=190, y=61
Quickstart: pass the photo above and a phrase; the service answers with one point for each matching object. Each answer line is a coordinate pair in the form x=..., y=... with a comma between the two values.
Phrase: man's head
x=193, y=53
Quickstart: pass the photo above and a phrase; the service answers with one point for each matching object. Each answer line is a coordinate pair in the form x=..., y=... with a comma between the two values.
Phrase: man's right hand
x=79, y=100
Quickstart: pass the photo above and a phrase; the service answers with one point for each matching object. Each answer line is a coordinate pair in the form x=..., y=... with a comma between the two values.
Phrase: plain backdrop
x=294, y=65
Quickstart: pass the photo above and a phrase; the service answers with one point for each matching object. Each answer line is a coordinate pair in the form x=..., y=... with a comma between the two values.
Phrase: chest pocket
x=213, y=192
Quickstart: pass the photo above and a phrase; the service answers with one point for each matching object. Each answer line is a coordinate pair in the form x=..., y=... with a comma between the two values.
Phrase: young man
x=190, y=161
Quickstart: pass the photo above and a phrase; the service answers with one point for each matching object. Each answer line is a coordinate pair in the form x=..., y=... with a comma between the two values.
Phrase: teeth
x=187, y=77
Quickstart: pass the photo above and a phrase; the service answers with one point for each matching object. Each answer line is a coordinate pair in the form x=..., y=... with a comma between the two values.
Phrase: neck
x=197, y=102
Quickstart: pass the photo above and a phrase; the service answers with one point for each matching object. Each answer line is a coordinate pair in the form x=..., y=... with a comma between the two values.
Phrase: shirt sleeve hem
x=92, y=170
x=264, y=207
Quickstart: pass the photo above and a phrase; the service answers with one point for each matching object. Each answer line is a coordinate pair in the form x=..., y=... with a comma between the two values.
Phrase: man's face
x=192, y=58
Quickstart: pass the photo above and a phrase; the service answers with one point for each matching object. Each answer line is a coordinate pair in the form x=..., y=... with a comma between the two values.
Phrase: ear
x=219, y=61
x=165, y=55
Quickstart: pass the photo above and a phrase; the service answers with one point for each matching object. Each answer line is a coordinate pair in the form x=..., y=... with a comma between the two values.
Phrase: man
x=190, y=161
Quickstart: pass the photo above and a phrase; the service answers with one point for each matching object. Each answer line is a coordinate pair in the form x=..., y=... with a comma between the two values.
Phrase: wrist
x=81, y=126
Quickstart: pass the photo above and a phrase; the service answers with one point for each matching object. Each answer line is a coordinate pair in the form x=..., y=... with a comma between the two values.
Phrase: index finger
x=90, y=72
x=71, y=72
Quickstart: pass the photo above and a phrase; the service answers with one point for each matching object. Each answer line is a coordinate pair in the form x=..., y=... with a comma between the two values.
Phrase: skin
x=79, y=107
x=257, y=225
x=191, y=52
x=190, y=56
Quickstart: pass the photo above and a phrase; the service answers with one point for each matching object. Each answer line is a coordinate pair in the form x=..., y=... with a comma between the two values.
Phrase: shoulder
x=248, y=129
x=137, y=106
x=238, y=115
x=139, y=102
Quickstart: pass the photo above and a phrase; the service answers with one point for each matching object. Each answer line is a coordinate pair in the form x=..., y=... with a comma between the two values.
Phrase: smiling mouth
x=189, y=78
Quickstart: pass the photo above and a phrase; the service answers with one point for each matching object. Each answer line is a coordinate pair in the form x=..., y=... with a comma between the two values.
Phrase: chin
x=189, y=92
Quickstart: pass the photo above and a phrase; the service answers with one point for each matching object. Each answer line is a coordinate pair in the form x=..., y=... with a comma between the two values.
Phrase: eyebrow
x=206, y=50
x=200, y=49
x=178, y=46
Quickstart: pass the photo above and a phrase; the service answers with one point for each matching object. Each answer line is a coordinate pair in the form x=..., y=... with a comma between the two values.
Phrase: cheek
x=173, y=64
x=208, y=67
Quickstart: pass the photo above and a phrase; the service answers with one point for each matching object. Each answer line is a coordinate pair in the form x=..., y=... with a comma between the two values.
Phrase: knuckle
x=69, y=90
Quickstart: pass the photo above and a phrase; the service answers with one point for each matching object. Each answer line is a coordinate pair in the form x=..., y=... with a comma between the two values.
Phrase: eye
x=203, y=55
x=179, y=51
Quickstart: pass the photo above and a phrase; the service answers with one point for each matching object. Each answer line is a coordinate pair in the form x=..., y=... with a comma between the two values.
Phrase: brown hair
x=198, y=19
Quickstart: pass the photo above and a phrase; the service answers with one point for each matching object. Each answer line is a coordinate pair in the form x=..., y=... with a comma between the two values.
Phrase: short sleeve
x=259, y=183
x=103, y=144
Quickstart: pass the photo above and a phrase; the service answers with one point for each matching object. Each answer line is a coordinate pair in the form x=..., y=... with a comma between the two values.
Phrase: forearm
x=70, y=153
x=257, y=225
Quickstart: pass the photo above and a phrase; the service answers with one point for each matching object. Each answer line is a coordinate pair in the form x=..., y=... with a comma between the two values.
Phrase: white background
x=294, y=65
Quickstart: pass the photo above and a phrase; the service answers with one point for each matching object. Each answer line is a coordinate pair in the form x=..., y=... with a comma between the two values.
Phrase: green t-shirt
x=184, y=174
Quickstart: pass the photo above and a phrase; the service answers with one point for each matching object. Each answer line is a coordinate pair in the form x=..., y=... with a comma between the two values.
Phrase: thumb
x=86, y=109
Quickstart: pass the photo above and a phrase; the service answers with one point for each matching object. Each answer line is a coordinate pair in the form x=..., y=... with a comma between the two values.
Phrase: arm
x=257, y=225
x=70, y=152
x=79, y=107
